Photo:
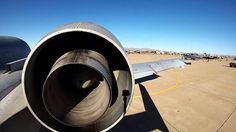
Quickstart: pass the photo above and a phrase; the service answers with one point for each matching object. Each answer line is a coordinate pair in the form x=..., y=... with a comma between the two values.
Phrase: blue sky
x=173, y=25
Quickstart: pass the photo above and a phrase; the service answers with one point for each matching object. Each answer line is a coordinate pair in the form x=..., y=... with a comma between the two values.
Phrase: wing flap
x=141, y=70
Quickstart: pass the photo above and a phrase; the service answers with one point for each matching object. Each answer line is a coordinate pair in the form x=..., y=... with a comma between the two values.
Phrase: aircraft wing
x=12, y=104
x=141, y=70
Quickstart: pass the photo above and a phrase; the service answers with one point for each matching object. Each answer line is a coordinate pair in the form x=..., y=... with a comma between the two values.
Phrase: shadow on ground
x=22, y=121
x=145, y=121
x=147, y=78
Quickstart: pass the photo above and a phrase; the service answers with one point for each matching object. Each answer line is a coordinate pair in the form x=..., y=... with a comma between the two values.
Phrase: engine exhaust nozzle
x=77, y=91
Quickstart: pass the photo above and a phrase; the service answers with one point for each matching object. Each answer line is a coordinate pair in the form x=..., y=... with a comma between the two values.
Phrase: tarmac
x=198, y=97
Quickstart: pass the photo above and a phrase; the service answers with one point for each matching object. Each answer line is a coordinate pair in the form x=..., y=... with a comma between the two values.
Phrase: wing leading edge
x=141, y=70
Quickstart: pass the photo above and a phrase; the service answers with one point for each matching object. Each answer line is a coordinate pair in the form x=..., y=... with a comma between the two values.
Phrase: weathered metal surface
x=15, y=65
x=8, y=81
x=77, y=91
x=79, y=36
x=149, y=68
x=11, y=104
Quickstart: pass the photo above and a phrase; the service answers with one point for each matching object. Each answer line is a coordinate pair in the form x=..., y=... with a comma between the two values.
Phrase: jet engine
x=78, y=78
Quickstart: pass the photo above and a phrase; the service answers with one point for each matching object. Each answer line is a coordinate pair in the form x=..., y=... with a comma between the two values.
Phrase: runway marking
x=177, y=82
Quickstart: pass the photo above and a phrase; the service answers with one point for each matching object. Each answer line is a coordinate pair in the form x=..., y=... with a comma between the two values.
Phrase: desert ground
x=198, y=97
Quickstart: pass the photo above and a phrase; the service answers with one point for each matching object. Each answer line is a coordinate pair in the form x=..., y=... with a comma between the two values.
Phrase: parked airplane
x=208, y=58
x=77, y=78
x=191, y=57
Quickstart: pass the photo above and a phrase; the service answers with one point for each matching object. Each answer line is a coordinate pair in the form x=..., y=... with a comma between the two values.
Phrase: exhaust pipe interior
x=76, y=91
x=78, y=78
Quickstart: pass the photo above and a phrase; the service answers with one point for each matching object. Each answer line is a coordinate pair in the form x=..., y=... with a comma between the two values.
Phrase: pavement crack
x=171, y=125
x=226, y=119
x=219, y=96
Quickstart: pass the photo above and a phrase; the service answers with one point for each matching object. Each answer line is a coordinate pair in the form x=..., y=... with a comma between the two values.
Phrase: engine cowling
x=12, y=49
x=78, y=78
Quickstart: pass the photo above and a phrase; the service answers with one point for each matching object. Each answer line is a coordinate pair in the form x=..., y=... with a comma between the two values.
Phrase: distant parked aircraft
x=191, y=57
x=197, y=57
